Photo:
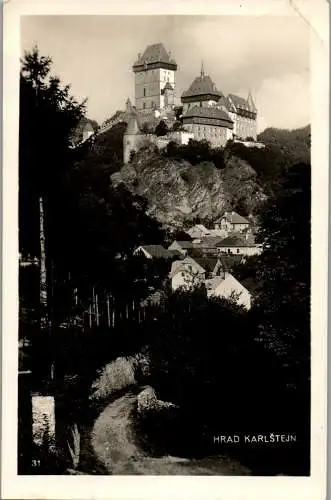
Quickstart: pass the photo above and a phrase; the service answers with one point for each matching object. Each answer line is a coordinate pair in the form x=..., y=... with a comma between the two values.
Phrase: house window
x=144, y=105
x=238, y=250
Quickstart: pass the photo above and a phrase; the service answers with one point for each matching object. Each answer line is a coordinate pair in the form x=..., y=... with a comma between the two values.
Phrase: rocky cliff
x=179, y=193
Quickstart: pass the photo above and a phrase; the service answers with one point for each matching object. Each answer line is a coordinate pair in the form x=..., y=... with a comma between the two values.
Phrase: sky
x=268, y=55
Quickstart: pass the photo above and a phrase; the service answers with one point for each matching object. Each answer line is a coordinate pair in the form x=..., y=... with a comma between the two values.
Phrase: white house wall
x=229, y=287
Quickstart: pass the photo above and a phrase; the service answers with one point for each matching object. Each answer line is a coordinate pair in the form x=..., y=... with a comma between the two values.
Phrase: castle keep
x=206, y=112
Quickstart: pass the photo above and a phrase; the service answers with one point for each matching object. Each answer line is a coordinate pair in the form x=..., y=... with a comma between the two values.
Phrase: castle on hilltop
x=206, y=113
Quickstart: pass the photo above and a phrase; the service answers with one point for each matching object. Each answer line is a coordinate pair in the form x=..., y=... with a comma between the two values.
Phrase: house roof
x=240, y=102
x=184, y=244
x=251, y=285
x=235, y=218
x=208, y=263
x=175, y=253
x=207, y=112
x=234, y=241
x=156, y=251
x=225, y=101
x=211, y=241
x=154, y=53
x=201, y=227
x=184, y=264
x=202, y=85
x=229, y=261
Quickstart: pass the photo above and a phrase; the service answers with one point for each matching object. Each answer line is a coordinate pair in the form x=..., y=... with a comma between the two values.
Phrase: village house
x=238, y=244
x=207, y=246
x=154, y=252
x=228, y=287
x=181, y=246
x=231, y=221
x=198, y=231
x=186, y=274
x=211, y=265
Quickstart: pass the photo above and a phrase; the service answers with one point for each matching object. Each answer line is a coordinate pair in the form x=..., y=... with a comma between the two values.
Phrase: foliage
x=202, y=347
x=106, y=151
x=293, y=144
x=196, y=152
x=115, y=376
x=89, y=224
x=48, y=116
x=161, y=128
x=284, y=269
x=145, y=128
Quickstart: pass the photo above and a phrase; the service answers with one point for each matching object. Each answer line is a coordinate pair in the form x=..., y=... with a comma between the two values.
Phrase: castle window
x=144, y=105
x=144, y=92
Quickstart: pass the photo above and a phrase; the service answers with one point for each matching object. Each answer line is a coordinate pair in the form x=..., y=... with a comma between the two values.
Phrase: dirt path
x=113, y=443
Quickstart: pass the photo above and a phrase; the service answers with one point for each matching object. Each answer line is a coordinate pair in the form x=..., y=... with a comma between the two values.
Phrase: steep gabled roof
x=240, y=102
x=202, y=85
x=184, y=244
x=208, y=263
x=225, y=101
x=234, y=241
x=155, y=53
x=208, y=112
x=186, y=264
x=235, y=218
x=156, y=251
x=229, y=261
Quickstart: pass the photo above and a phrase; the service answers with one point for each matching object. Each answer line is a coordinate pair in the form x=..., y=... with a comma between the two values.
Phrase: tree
x=161, y=129
x=145, y=129
x=284, y=270
x=48, y=117
x=177, y=126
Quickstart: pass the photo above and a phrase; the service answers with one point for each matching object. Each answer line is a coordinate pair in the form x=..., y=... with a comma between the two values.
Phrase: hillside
x=295, y=144
x=179, y=193
x=194, y=183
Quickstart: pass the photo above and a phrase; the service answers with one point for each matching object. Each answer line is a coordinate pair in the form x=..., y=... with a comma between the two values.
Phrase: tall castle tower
x=154, y=79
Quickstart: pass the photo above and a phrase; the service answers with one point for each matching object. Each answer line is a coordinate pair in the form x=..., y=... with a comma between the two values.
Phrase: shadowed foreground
x=114, y=445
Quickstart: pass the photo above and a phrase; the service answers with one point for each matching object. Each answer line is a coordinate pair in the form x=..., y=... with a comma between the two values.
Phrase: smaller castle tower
x=169, y=96
x=131, y=138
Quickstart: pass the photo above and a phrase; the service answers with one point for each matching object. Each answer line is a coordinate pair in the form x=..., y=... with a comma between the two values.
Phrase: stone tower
x=131, y=139
x=153, y=71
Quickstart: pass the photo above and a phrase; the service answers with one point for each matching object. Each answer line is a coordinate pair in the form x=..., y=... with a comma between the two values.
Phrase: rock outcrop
x=179, y=193
x=147, y=401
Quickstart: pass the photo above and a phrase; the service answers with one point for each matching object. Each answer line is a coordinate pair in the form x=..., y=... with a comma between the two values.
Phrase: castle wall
x=245, y=127
x=217, y=136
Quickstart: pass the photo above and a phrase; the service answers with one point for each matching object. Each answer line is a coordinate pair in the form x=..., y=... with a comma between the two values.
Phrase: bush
x=119, y=374
x=115, y=376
